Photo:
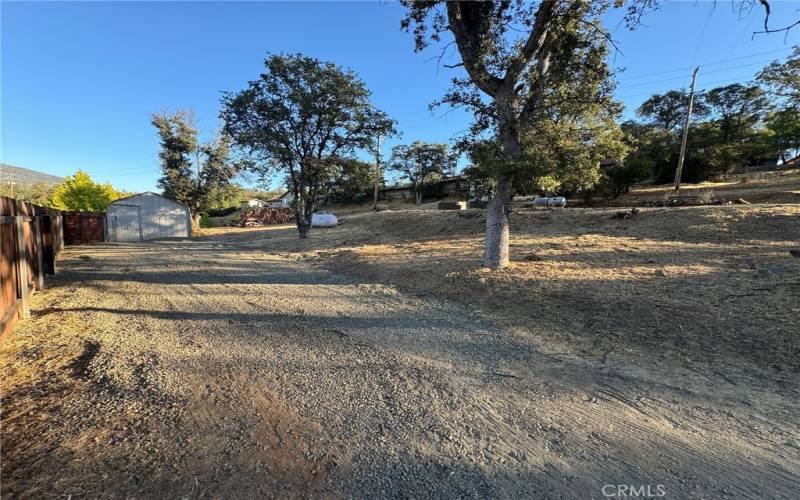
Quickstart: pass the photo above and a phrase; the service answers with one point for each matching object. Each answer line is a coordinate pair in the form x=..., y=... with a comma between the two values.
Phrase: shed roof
x=148, y=193
x=279, y=198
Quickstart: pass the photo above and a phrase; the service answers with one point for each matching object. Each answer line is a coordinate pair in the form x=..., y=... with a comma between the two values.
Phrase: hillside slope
x=26, y=176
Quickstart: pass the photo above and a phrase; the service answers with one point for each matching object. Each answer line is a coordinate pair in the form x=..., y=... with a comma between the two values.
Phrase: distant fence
x=83, y=227
x=30, y=239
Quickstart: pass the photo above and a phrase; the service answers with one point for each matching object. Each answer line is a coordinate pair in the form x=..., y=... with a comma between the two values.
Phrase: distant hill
x=26, y=176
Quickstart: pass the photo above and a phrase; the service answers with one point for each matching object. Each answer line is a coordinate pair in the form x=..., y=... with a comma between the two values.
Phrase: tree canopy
x=80, y=192
x=668, y=110
x=299, y=119
x=422, y=163
x=526, y=64
x=194, y=174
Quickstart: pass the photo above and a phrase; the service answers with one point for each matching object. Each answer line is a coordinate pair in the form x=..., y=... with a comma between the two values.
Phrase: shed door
x=126, y=223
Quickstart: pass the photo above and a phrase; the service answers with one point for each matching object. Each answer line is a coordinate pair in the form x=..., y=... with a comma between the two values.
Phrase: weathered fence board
x=83, y=227
x=30, y=239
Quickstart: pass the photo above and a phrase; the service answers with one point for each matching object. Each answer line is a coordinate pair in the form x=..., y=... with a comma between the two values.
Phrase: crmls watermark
x=634, y=491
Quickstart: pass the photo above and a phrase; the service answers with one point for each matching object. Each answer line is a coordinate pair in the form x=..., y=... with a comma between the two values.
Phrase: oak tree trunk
x=303, y=227
x=495, y=254
x=304, y=206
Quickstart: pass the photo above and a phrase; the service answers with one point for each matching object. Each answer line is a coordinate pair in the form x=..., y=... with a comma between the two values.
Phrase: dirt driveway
x=202, y=370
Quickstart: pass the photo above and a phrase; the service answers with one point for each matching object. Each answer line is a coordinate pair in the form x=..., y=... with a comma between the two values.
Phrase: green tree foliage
x=782, y=82
x=740, y=125
x=80, y=192
x=422, y=163
x=225, y=196
x=300, y=119
x=782, y=79
x=37, y=193
x=565, y=156
x=351, y=182
x=737, y=109
x=192, y=173
x=668, y=111
x=783, y=132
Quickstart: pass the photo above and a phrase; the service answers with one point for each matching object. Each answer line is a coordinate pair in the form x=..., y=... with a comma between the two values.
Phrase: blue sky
x=79, y=80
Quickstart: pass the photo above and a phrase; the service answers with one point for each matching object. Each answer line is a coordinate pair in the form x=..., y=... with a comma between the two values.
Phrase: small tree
x=300, y=118
x=422, y=163
x=192, y=173
x=352, y=182
x=80, y=192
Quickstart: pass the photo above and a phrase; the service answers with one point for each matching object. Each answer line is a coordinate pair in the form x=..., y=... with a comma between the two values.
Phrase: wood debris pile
x=266, y=216
x=628, y=214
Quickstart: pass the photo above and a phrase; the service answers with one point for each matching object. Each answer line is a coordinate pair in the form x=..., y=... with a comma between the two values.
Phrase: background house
x=457, y=185
x=282, y=201
x=252, y=204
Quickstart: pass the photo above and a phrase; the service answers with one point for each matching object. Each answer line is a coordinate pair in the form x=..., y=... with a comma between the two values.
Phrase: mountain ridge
x=27, y=176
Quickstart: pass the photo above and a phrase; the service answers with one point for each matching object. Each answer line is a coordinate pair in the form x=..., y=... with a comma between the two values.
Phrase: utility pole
x=377, y=173
x=679, y=170
x=9, y=179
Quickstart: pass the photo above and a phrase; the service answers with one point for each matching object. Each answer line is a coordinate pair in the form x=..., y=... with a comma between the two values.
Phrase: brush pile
x=266, y=216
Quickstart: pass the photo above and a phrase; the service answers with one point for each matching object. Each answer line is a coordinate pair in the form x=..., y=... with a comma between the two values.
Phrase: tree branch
x=767, y=12
x=534, y=44
x=464, y=19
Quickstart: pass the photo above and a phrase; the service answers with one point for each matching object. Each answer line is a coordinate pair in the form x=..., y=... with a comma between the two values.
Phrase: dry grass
x=762, y=187
x=713, y=285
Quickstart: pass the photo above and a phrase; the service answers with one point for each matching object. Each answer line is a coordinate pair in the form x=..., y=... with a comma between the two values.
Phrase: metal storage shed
x=146, y=216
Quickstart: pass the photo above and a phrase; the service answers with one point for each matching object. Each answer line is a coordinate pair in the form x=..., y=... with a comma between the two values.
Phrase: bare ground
x=376, y=361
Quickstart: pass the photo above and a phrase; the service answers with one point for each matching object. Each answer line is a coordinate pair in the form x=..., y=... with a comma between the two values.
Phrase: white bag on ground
x=323, y=220
x=555, y=201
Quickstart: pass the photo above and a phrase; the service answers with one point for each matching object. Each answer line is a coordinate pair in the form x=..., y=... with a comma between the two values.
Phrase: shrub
x=205, y=220
x=222, y=212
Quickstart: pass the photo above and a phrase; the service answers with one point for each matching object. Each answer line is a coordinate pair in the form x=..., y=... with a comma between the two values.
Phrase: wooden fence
x=30, y=239
x=83, y=227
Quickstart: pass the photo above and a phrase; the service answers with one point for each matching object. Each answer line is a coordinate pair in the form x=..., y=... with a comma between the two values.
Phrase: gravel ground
x=204, y=370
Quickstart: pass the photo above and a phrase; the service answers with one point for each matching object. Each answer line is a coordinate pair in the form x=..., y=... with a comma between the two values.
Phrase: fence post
x=39, y=250
x=22, y=266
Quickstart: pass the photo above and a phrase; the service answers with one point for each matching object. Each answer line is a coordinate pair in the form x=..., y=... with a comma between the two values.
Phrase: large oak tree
x=509, y=50
x=301, y=118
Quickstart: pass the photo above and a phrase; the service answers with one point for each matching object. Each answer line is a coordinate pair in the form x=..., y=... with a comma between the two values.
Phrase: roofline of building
x=444, y=179
x=149, y=192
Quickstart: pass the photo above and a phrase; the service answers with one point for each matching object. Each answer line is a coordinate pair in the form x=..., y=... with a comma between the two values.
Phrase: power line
x=684, y=76
x=739, y=79
x=710, y=63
